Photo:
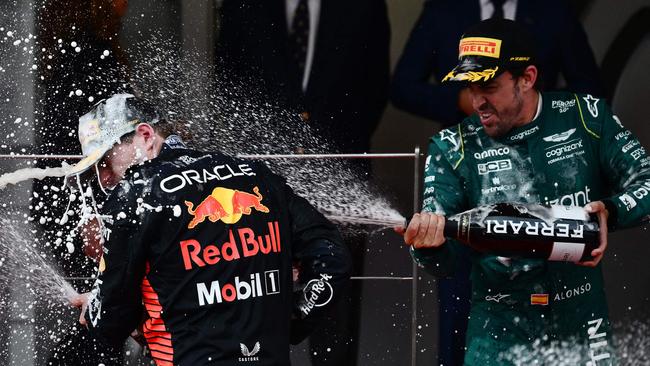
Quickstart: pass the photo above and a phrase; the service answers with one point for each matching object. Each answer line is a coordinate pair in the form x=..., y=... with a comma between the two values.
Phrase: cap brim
x=90, y=160
x=472, y=76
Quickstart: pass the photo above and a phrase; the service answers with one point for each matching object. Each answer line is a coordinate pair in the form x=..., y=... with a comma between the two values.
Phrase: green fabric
x=575, y=151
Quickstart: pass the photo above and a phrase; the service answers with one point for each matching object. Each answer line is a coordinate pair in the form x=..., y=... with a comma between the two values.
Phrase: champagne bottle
x=555, y=233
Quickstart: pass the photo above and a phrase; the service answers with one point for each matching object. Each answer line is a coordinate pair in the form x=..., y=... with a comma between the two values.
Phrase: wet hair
x=163, y=128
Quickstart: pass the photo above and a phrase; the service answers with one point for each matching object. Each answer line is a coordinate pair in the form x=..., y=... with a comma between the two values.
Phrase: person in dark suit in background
x=327, y=63
x=325, y=60
x=432, y=50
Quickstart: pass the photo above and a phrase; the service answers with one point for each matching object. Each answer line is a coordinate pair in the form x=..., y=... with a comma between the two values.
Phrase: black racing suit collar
x=174, y=142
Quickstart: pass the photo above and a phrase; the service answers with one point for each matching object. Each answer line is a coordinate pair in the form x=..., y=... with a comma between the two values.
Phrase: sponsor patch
x=490, y=153
x=645, y=161
x=95, y=303
x=176, y=182
x=636, y=154
x=174, y=142
x=227, y=205
x=623, y=134
x=499, y=188
x=643, y=191
x=496, y=298
x=479, y=46
x=579, y=198
x=597, y=341
x=187, y=160
x=627, y=147
x=238, y=290
x=494, y=166
x=563, y=105
x=559, y=137
x=524, y=134
x=450, y=136
x=317, y=293
x=242, y=242
x=249, y=355
x=592, y=105
x=564, y=150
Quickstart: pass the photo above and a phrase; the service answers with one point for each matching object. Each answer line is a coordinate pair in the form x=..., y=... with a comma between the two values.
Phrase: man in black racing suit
x=202, y=244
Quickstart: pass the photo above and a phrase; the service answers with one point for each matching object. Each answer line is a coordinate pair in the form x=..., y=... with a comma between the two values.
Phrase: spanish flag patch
x=539, y=299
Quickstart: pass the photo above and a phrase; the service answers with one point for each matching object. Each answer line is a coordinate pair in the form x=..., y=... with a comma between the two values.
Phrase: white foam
x=32, y=173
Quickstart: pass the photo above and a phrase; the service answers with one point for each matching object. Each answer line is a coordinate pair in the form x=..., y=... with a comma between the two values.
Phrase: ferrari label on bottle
x=534, y=228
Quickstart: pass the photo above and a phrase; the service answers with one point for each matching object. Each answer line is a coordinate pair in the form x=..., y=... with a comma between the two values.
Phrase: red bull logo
x=242, y=243
x=227, y=205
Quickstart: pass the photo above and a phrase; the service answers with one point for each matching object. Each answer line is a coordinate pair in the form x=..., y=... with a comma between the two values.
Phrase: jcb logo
x=494, y=166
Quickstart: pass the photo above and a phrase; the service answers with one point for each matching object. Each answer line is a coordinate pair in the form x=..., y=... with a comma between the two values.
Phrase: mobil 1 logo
x=272, y=282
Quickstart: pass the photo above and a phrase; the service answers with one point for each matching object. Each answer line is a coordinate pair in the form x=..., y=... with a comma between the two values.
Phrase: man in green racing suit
x=525, y=146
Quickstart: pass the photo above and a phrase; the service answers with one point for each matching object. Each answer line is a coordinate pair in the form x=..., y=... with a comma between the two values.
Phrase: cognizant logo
x=579, y=198
x=561, y=149
x=523, y=134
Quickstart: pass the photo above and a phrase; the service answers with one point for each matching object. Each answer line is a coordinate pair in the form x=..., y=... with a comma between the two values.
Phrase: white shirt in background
x=314, y=16
x=487, y=9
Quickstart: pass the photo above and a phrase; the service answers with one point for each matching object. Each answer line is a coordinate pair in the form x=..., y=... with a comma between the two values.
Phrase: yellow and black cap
x=491, y=47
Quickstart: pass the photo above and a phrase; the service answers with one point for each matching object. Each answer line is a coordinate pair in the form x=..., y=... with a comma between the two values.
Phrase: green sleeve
x=627, y=169
x=443, y=194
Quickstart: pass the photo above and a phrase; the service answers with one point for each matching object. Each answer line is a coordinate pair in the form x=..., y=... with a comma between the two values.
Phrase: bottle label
x=569, y=213
x=566, y=252
x=534, y=228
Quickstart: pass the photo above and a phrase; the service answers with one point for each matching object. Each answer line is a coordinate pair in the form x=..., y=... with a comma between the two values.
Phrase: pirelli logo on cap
x=539, y=299
x=479, y=46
